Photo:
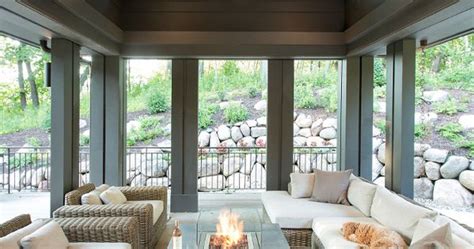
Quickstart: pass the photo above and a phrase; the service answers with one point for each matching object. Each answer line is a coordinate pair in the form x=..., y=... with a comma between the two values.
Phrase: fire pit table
x=231, y=229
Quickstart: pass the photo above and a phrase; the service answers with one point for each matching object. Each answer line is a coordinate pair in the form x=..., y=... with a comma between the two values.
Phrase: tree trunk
x=31, y=80
x=21, y=84
x=436, y=63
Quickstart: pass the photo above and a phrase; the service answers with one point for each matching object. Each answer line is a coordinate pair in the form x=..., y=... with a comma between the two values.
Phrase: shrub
x=33, y=141
x=451, y=131
x=205, y=113
x=148, y=130
x=304, y=98
x=157, y=102
x=328, y=99
x=222, y=95
x=421, y=130
x=253, y=92
x=235, y=113
x=450, y=106
x=84, y=140
x=380, y=123
x=379, y=72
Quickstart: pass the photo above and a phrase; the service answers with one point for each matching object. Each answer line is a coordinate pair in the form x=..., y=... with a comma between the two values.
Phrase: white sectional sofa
x=369, y=204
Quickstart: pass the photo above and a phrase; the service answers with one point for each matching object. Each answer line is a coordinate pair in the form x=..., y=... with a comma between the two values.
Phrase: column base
x=184, y=202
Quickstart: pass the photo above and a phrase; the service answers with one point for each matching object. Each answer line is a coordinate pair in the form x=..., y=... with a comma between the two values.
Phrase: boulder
x=132, y=125
x=246, y=142
x=380, y=106
x=381, y=153
x=435, y=155
x=466, y=121
x=376, y=142
x=449, y=192
x=86, y=133
x=418, y=167
x=231, y=165
x=223, y=132
x=235, y=133
x=306, y=163
x=380, y=181
x=466, y=178
x=454, y=166
x=167, y=129
x=376, y=131
x=249, y=161
x=260, y=105
x=432, y=170
x=328, y=133
x=261, y=141
x=332, y=142
x=258, y=177
x=261, y=158
x=382, y=171
x=165, y=145
x=471, y=165
x=209, y=183
x=330, y=122
x=419, y=149
x=154, y=168
x=203, y=139
x=425, y=118
x=82, y=123
x=251, y=123
x=208, y=167
x=214, y=140
x=423, y=188
x=228, y=143
x=376, y=167
x=303, y=121
x=258, y=131
x=158, y=181
x=299, y=141
x=245, y=129
x=296, y=129
x=315, y=142
x=238, y=181
x=305, y=132
x=435, y=96
x=316, y=127
x=138, y=180
x=262, y=121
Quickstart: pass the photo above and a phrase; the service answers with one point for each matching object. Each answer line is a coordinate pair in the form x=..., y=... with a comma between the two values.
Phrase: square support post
x=400, y=122
x=115, y=112
x=184, y=133
x=65, y=89
x=355, y=116
x=97, y=122
x=280, y=124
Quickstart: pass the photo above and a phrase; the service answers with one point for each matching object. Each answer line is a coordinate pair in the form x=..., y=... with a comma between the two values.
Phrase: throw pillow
x=113, y=195
x=102, y=187
x=457, y=229
x=440, y=238
x=12, y=240
x=91, y=198
x=301, y=185
x=331, y=187
x=426, y=228
x=360, y=194
x=48, y=236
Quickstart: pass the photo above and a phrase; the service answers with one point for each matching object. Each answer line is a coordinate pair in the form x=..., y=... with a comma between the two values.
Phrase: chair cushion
x=397, y=213
x=328, y=230
x=12, y=240
x=457, y=229
x=48, y=236
x=102, y=187
x=299, y=213
x=96, y=245
x=360, y=194
x=301, y=185
x=157, y=207
x=113, y=195
x=331, y=187
x=91, y=198
x=427, y=232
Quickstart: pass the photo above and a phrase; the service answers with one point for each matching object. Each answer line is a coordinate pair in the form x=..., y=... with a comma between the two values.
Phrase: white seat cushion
x=50, y=236
x=157, y=207
x=12, y=240
x=95, y=245
x=328, y=230
x=299, y=213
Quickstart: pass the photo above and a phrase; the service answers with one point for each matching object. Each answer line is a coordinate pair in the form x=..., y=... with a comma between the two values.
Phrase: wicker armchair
x=149, y=233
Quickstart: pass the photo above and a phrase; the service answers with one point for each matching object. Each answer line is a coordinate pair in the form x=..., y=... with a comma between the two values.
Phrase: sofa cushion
x=397, y=213
x=157, y=207
x=331, y=187
x=299, y=213
x=328, y=230
x=91, y=198
x=457, y=229
x=301, y=185
x=48, y=236
x=96, y=245
x=102, y=187
x=113, y=195
x=12, y=240
x=428, y=231
x=360, y=194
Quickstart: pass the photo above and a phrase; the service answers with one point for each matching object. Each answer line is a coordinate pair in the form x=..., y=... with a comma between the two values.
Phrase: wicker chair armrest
x=145, y=193
x=14, y=224
x=112, y=229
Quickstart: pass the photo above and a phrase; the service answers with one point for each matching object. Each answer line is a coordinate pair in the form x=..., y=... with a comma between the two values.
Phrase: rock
x=376, y=142
x=203, y=139
x=167, y=129
x=262, y=121
x=258, y=177
x=158, y=181
x=261, y=141
x=432, y=170
x=132, y=125
x=235, y=133
x=376, y=131
x=209, y=183
x=315, y=142
x=231, y=165
x=382, y=171
x=251, y=123
x=299, y=141
x=258, y=131
x=305, y=132
x=306, y=163
x=82, y=123
x=86, y=133
x=425, y=118
x=466, y=178
x=423, y=188
x=376, y=167
x=380, y=181
x=435, y=96
x=238, y=181
x=260, y=105
x=228, y=143
x=316, y=127
x=435, y=155
x=303, y=121
x=466, y=121
x=332, y=142
x=381, y=153
x=223, y=132
x=249, y=161
x=471, y=165
x=449, y=192
x=138, y=180
x=380, y=106
x=208, y=167
x=454, y=166
x=261, y=158
x=154, y=168
x=296, y=129
x=165, y=145
x=214, y=140
x=419, y=149
x=418, y=167
x=328, y=133
x=246, y=142
x=245, y=129
x=330, y=122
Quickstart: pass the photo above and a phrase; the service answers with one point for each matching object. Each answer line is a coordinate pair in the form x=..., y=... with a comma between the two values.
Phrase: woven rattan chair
x=149, y=233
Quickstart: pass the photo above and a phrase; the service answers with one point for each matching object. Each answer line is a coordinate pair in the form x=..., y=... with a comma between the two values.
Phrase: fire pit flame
x=229, y=230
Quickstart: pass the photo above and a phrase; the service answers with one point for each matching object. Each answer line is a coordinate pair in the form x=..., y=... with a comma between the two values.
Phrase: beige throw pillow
x=331, y=187
x=360, y=194
x=91, y=198
x=113, y=195
x=301, y=185
x=49, y=236
x=12, y=240
x=102, y=187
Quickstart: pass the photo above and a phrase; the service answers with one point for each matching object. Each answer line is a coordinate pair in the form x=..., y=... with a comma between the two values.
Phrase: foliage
x=235, y=113
x=450, y=106
x=206, y=113
x=421, y=130
x=380, y=91
x=33, y=141
x=84, y=140
x=157, y=102
x=150, y=127
x=380, y=123
x=17, y=120
x=252, y=92
x=379, y=72
x=328, y=98
x=451, y=131
x=304, y=97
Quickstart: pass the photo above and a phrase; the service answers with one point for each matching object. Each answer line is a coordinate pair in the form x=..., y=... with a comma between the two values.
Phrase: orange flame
x=229, y=228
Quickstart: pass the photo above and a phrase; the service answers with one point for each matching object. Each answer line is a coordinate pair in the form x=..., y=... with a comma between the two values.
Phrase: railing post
x=8, y=168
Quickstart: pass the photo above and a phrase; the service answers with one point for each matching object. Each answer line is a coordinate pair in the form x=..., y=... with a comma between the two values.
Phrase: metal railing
x=218, y=169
